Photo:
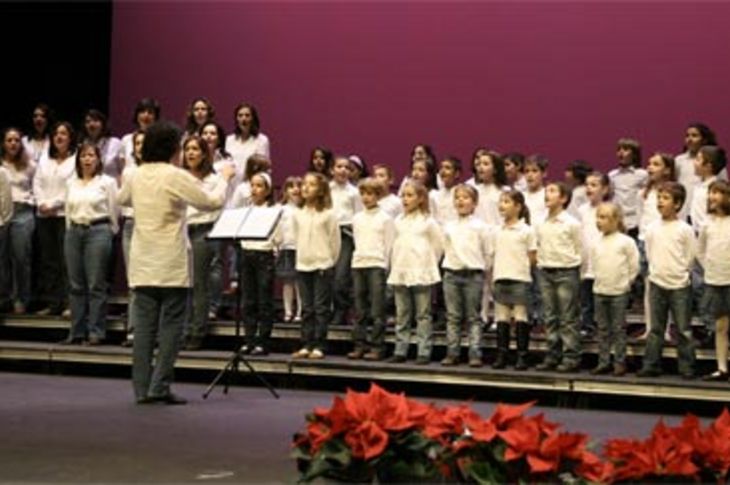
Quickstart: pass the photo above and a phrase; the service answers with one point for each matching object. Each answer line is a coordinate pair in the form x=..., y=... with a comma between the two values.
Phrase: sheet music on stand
x=249, y=223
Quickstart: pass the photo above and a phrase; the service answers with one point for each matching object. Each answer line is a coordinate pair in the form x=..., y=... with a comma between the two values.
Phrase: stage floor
x=84, y=430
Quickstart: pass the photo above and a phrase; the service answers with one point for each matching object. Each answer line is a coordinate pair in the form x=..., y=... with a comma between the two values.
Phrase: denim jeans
x=535, y=310
x=587, y=307
x=53, y=281
x=559, y=289
x=611, y=319
x=699, y=300
x=257, y=286
x=156, y=311
x=203, y=251
x=413, y=303
x=315, y=288
x=679, y=303
x=369, y=288
x=21, y=229
x=343, y=277
x=5, y=283
x=463, y=295
x=88, y=250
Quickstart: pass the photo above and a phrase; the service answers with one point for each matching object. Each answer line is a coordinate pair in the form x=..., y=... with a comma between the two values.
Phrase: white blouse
x=512, y=245
x=203, y=216
x=21, y=182
x=50, y=181
x=6, y=198
x=345, y=202
x=417, y=249
x=90, y=201
x=286, y=224
x=488, y=207
x=36, y=148
x=241, y=150
x=317, y=239
x=713, y=248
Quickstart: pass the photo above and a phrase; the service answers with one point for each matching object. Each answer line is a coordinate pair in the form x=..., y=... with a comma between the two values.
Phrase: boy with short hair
x=449, y=172
x=670, y=249
x=535, y=169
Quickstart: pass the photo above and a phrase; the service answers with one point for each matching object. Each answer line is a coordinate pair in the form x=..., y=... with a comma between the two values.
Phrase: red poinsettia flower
x=505, y=413
x=554, y=449
x=367, y=440
x=522, y=436
x=593, y=469
x=713, y=445
x=318, y=434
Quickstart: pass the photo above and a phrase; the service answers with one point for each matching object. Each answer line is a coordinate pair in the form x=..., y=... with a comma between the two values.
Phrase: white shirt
x=129, y=168
x=345, y=202
x=535, y=202
x=21, y=182
x=49, y=183
x=648, y=211
x=468, y=244
x=391, y=205
x=417, y=249
x=627, y=184
x=286, y=224
x=6, y=199
x=127, y=149
x=713, y=250
x=317, y=239
x=670, y=249
x=270, y=244
x=589, y=237
x=616, y=261
x=559, y=242
x=520, y=184
x=577, y=198
x=241, y=150
x=160, y=194
x=218, y=164
x=203, y=216
x=112, y=155
x=90, y=201
x=443, y=209
x=373, y=231
x=698, y=206
x=512, y=245
x=36, y=148
x=685, y=167
x=488, y=207
x=242, y=195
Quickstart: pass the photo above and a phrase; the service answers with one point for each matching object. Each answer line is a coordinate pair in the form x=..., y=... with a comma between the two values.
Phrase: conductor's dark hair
x=161, y=142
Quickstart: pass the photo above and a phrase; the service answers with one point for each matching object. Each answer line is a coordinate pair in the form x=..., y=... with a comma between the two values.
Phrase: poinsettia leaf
x=485, y=473
x=337, y=452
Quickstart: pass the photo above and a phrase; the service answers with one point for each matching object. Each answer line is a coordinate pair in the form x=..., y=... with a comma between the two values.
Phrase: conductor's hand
x=228, y=171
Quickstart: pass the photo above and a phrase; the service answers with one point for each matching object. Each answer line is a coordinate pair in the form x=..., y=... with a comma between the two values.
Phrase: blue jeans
x=156, y=311
x=699, y=299
x=413, y=303
x=463, y=295
x=257, y=286
x=88, y=249
x=203, y=252
x=315, y=288
x=587, y=307
x=342, y=291
x=535, y=311
x=679, y=303
x=559, y=288
x=611, y=318
x=5, y=283
x=21, y=230
x=369, y=287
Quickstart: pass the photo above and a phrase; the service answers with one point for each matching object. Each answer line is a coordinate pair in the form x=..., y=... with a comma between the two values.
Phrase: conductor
x=159, y=266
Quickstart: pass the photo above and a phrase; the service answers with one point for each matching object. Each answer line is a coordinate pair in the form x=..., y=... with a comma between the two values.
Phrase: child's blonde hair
x=470, y=190
x=724, y=188
x=289, y=182
x=324, y=196
x=369, y=184
x=421, y=192
x=616, y=213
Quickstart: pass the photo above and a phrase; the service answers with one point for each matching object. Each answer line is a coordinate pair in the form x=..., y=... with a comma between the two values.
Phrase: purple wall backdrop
x=563, y=79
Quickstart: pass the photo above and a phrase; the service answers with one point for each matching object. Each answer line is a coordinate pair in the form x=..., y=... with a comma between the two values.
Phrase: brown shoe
x=356, y=354
x=373, y=356
x=450, y=360
x=619, y=370
x=475, y=362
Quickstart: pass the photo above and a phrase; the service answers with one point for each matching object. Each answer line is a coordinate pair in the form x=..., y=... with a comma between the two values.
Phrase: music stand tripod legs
x=233, y=363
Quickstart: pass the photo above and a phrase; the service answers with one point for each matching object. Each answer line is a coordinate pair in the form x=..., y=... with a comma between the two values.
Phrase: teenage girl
x=38, y=142
x=713, y=248
x=199, y=113
x=291, y=200
x=515, y=253
x=616, y=262
x=247, y=139
x=414, y=269
x=146, y=112
x=317, y=235
x=321, y=161
x=95, y=130
x=696, y=136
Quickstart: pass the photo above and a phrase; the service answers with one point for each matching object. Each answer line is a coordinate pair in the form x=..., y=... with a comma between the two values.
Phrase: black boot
x=523, y=344
x=502, y=345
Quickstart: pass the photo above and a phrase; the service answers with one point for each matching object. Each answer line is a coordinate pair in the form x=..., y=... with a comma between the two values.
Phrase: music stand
x=236, y=225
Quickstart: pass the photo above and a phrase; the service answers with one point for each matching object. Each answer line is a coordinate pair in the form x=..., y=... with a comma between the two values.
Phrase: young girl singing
x=317, y=235
x=713, y=249
x=616, y=263
x=257, y=276
x=515, y=250
x=417, y=249
x=291, y=200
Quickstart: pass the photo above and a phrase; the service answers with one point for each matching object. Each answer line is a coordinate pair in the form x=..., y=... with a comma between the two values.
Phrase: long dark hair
x=255, y=121
x=518, y=198
x=221, y=137
x=97, y=115
x=20, y=161
x=52, y=151
x=206, y=164
x=190, y=125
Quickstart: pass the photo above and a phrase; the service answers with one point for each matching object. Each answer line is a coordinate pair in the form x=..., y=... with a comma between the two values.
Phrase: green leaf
x=483, y=473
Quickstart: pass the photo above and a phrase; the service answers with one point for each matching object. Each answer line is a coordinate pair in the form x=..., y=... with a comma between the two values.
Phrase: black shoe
x=194, y=344
x=648, y=373
x=396, y=359
x=170, y=399
x=422, y=361
x=258, y=350
x=717, y=376
x=145, y=400
x=688, y=376
x=601, y=370
x=523, y=346
x=94, y=340
x=567, y=367
x=72, y=341
x=546, y=365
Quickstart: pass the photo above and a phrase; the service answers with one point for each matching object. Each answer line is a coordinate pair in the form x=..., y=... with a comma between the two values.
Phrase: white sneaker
x=316, y=354
x=298, y=318
x=66, y=314
x=302, y=353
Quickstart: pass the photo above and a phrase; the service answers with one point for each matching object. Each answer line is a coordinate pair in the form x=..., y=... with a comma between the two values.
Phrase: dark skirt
x=286, y=264
x=511, y=292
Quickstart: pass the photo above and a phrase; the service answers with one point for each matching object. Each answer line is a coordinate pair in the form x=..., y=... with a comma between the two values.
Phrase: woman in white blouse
x=91, y=221
x=20, y=169
x=54, y=171
x=95, y=130
x=247, y=139
x=197, y=160
x=37, y=143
